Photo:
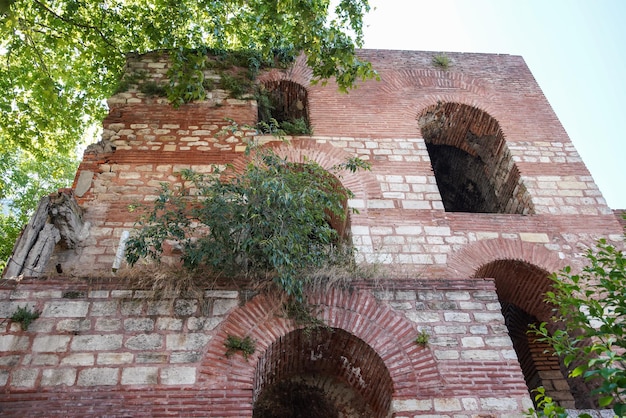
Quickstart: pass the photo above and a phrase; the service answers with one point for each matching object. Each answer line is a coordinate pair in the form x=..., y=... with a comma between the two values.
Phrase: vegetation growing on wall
x=591, y=306
x=61, y=59
x=273, y=220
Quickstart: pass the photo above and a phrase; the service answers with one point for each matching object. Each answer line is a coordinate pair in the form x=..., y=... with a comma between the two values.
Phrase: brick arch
x=471, y=161
x=391, y=336
x=362, y=183
x=521, y=284
x=471, y=257
x=299, y=73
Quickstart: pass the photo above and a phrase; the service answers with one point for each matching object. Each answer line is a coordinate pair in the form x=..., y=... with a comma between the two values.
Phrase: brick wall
x=104, y=349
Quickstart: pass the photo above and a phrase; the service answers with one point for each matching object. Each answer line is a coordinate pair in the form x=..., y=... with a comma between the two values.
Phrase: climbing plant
x=271, y=220
x=60, y=60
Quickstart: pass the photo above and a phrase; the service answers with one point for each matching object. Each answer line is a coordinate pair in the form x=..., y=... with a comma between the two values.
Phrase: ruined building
x=475, y=195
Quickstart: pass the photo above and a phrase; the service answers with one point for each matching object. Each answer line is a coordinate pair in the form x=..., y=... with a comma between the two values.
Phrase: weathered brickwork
x=103, y=348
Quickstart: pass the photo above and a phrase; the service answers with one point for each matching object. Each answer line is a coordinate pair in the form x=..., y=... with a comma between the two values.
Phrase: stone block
x=169, y=324
x=447, y=404
x=105, y=324
x=402, y=405
x=51, y=343
x=185, y=307
x=499, y=404
x=178, y=375
x=186, y=357
x=145, y=342
x=139, y=324
x=60, y=309
x=108, y=308
x=191, y=341
x=140, y=376
x=4, y=377
x=24, y=378
x=96, y=342
x=14, y=342
x=115, y=358
x=472, y=342
x=45, y=360
x=222, y=306
x=73, y=325
x=151, y=358
x=101, y=376
x=78, y=359
x=57, y=377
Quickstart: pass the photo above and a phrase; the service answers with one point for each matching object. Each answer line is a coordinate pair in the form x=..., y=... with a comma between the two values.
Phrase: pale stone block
x=498, y=341
x=419, y=317
x=178, y=375
x=447, y=404
x=25, y=378
x=191, y=341
x=139, y=324
x=402, y=405
x=499, y=404
x=447, y=354
x=170, y=324
x=45, y=360
x=140, y=376
x=534, y=237
x=456, y=317
x=51, y=343
x=78, y=359
x=115, y=358
x=96, y=342
x=106, y=324
x=222, y=306
x=65, y=309
x=472, y=342
x=145, y=342
x=14, y=343
x=222, y=294
x=486, y=235
x=103, y=376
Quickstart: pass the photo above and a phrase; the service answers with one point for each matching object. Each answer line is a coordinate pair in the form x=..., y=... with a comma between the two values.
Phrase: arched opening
x=287, y=103
x=521, y=287
x=473, y=167
x=322, y=373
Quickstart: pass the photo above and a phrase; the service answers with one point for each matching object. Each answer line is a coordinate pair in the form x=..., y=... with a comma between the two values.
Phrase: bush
x=270, y=221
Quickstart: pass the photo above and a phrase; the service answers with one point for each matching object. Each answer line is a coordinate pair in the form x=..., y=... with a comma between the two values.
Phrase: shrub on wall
x=272, y=220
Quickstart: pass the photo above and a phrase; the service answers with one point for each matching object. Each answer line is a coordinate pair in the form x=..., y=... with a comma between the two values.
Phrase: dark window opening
x=521, y=287
x=287, y=103
x=472, y=165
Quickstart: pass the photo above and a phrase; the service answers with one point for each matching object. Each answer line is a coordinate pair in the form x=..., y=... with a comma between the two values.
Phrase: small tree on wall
x=592, y=307
x=272, y=220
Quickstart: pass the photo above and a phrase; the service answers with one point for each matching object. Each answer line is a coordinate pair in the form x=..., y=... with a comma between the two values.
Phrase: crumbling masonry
x=475, y=195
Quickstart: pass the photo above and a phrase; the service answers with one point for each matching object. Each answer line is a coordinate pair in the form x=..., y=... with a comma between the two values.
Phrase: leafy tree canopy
x=59, y=59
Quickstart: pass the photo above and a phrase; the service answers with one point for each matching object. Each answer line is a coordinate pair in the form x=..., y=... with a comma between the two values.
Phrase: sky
x=576, y=49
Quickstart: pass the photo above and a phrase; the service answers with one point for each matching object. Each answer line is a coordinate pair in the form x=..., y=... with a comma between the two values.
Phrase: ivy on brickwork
x=591, y=307
x=270, y=221
x=60, y=60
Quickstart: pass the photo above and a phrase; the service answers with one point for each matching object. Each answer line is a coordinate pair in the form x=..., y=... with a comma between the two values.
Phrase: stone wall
x=101, y=347
x=122, y=344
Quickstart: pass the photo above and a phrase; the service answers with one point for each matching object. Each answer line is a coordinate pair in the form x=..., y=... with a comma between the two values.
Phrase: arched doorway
x=321, y=373
x=521, y=287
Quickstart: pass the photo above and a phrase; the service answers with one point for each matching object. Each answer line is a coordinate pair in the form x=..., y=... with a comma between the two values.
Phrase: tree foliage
x=271, y=220
x=59, y=59
x=591, y=306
